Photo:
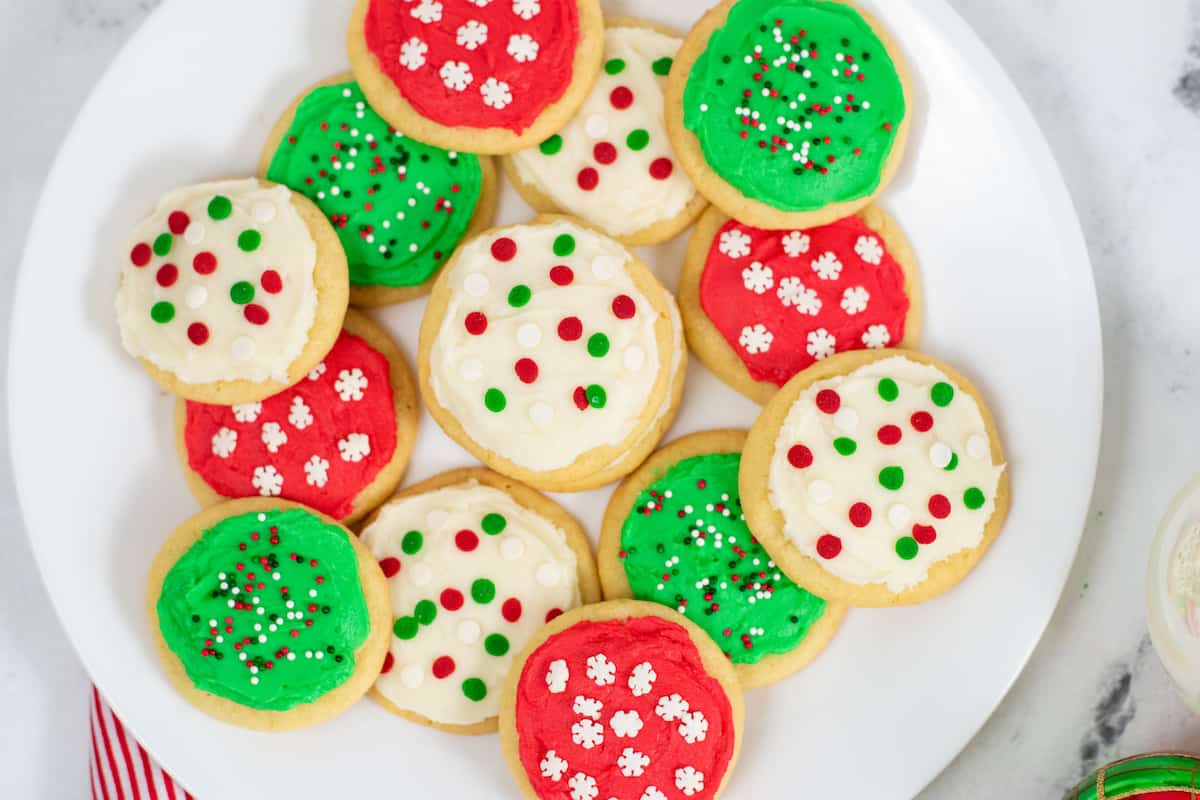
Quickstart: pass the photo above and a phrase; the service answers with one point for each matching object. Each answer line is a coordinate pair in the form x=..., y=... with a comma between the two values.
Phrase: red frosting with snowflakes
x=476, y=63
x=320, y=443
x=786, y=299
x=622, y=708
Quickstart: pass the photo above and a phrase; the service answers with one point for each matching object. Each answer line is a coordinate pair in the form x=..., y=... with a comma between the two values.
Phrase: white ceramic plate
x=1009, y=299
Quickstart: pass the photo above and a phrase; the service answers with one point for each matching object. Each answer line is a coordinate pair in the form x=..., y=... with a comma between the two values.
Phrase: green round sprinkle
x=483, y=591
x=496, y=644
x=888, y=389
x=495, y=400
x=241, y=292
x=973, y=498
x=941, y=394
x=845, y=446
x=425, y=612
x=614, y=66
x=552, y=145
x=953, y=463
x=162, y=244
x=493, y=524
x=220, y=207
x=906, y=548
x=405, y=628
x=564, y=244
x=519, y=295
x=249, y=240
x=597, y=345
x=891, y=478
x=637, y=139
x=663, y=65
x=596, y=396
x=162, y=311
x=474, y=689
x=411, y=543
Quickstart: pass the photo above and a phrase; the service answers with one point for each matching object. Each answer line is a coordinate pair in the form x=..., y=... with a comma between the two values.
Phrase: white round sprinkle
x=596, y=125
x=512, y=548
x=263, y=211
x=194, y=233
x=470, y=370
x=820, y=491
x=634, y=358
x=604, y=267
x=548, y=574
x=541, y=414
x=195, y=296
x=421, y=575
x=940, y=454
x=243, y=348
x=412, y=676
x=899, y=515
x=476, y=284
x=529, y=335
x=977, y=446
x=468, y=631
x=846, y=419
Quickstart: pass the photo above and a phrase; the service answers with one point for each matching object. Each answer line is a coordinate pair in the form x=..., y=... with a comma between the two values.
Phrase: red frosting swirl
x=622, y=708
x=476, y=63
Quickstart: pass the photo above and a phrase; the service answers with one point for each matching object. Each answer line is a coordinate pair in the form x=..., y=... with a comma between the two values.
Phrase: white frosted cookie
x=231, y=291
x=476, y=565
x=875, y=477
x=612, y=164
x=551, y=353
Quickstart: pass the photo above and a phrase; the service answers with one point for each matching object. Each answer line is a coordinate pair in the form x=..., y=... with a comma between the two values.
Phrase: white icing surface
x=236, y=349
x=627, y=198
x=816, y=500
x=520, y=561
x=541, y=428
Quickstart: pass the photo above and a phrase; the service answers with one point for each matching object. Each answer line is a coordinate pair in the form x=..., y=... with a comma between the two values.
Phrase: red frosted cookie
x=621, y=699
x=338, y=441
x=485, y=76
x=760, y=306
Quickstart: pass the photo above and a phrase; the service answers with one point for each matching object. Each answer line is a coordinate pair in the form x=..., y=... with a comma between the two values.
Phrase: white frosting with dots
x=209, y=336
x=817, y=500
x=626, y=198
x=529, y=560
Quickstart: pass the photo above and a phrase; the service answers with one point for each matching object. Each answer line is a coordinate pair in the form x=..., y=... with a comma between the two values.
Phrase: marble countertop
x=1117, y=95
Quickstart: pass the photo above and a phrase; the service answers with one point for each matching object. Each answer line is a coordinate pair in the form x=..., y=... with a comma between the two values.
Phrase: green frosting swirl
x=796, y=103
x=266, y=609
x=400, y=207
x=686, y=545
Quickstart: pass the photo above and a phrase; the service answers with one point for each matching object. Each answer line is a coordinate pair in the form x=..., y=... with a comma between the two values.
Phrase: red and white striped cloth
x=121, y=769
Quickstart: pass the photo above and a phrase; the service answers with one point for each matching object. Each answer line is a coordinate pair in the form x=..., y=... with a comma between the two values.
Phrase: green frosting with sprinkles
x=400, y=207
x=685, y=545
x=266, y=609
x=796, y=103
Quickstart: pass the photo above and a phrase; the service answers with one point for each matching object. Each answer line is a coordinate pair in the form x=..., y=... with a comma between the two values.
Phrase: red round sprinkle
x=800, y=456
x=271, y=282
x=140, y=255
x=552, y=613
x=256, y=314
x=621, y=98
x=570, y=329
x=389, y=661
x=476, y=323
x=390, y=566
x=604, y=152
x=829, y=546
x=829, y=401
x=889, y=435
x=443, y=667
x=922, y=421
x=511, y=609
x=167, y=275
x=581, y=399
x=178, y=222
x=526, y=369
x=466, y=540
x=939, y=506
x=623, y=306
x=504, y=249
x=924, y=534
x=562, y=275
x=587, y=178
x=198, y=333
x=661, y=169
x=860, y=515
x=452, y=599
x=204, y=263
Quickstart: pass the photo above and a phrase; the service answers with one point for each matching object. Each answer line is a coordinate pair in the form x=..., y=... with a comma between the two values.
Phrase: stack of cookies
x=471, y=602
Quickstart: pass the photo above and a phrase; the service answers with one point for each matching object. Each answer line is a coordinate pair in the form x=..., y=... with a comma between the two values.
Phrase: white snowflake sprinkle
x=471, y=34
x=456, y=75
x=671, y=707
x=268, y=481
x=247, y=412
x=756, y=339
x=689, y=780
x=869, y=249
x=350, y=384
x=224, y=442
x=354, y=447
x=587, y=706
x=522, y=47
x=427, y=11
x=300, y=415
x=734, y=243
x=795, y=243
x=317, y=372
x=556, y=676
x=821, y=344
x=642, y=679
x=854, y=300
x=412, y=54
x=495, y=93
x=793, y=292
x=601, y=670
x=827, y=266
x=526, y=9
x=652, y=793
x=876, y=337
x=583, y=786
x=587, y=734
x=693, y=727
x=632, y=763
x=316, y=471
x=273, y=436
x=553, y=766
x=758, y=277
x=626, y=724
